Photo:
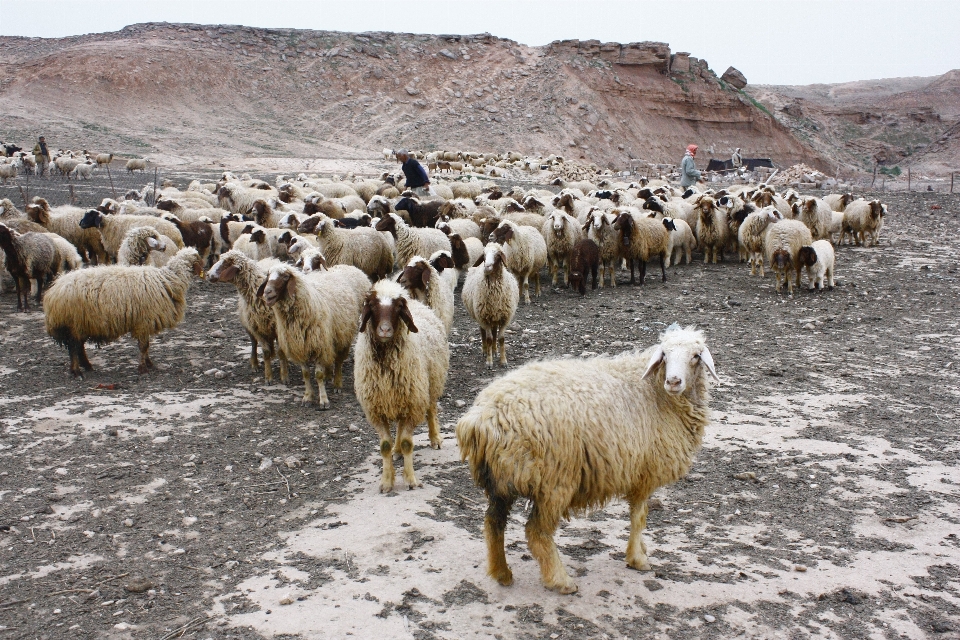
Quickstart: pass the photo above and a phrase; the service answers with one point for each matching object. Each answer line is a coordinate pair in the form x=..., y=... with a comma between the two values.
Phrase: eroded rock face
x=732, y=76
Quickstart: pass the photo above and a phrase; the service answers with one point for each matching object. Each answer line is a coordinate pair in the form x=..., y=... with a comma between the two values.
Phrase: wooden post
x=73, y=197
x=154, y=187
x=875, y=165
x=112, y=188
x=951, y=181
x=883, y=185
x=23, y=194
x=908, y=178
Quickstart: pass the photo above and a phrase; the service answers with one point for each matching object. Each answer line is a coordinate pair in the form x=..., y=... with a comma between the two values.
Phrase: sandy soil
x=196, y=499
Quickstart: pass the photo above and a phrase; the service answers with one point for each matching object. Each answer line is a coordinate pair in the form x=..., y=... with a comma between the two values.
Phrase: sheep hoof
x=638, y=565
x=434, y=444
x=386, y=487
x=566, y=588
x=142, y=369
x=504, y=579
x=323, y=406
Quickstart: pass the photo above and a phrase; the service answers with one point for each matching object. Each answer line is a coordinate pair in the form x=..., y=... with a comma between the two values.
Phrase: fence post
x=73, y=198
x=154, y=187
x=951, y=181
x=875, y=165
x=908, y=178
x=112, y=188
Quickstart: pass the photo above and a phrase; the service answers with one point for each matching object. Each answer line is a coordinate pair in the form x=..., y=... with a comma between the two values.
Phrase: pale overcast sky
x=770, y=41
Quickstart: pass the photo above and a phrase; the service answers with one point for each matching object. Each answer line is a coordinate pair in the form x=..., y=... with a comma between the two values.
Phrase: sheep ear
x=406, y=316
x=365, y=316
x=479, y=261
x=261, y=288
x=425, y=277
x=707, y=359
x=655, y=360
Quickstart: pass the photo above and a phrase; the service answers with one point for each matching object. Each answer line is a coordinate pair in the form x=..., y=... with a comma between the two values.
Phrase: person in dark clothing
x=417, y=179
x=41, y=155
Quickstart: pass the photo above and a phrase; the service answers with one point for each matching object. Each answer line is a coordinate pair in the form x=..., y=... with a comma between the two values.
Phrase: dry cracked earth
x=197, y=502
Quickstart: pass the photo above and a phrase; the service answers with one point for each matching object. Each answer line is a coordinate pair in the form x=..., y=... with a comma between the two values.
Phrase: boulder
x=680, y=62
x=733, y=77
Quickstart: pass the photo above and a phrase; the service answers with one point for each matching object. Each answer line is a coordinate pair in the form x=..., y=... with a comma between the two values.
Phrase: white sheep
x=316, y=319
x=136, y=164
x=525, y=252
x=83, y=170
x=752, y=233
x=104, y=303
x=681, y=241
x=363, y=247
x=819, y=260
x=425, y=284
x=818, y=216
x=571, y=434
x=781, y=243
x=400, y=369
x=412, y=241
x=599, y=228
x=490, y=296
x=863, y=218
x=561, y=232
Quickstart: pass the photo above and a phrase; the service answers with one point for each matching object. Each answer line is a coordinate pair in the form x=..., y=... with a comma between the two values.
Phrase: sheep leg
x=433, y=426
x=145, y=364
x=643, y=271
x=633, y=278
x=759, y=259
x=323, y=401
x=254, y=362
x=536, y=282
x=23, y=302
x=593, y=272
x=554, y=267
x=613, y=273
x=663, y=269
x=540, y=529
x=82, y=353
x=525, y=286
x=308, y=395
x=494, y=525
x=338, y=370
x=405, y=445
x=74, y=352
x=636, y=549
x=386, y=452
x=284, y=367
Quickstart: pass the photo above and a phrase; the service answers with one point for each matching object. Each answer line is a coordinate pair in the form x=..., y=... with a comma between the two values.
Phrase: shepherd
x=41, y=155
x=688, y=168
x=417, y=179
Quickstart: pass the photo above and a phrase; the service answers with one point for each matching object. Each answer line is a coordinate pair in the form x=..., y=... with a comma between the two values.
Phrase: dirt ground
x=196, y=502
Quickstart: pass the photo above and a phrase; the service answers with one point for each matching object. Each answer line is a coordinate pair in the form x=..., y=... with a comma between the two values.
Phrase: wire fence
x=105, y=182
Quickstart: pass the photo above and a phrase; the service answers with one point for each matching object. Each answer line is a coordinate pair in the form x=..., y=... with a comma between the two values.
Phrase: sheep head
x=378, y=206
x=261, y=211
x=227, y=267
x=809, y=206
x=683, y=357
x=503, y=233
x=310, y=224
x=389, y=223
x=416, y=275
x=492, y=259
x=807, y=256
x=624, y=224
x=311, y=260
x=280, y=284
x=91, y=218
x=441, y=260
x=653, y=203
x=876, y=209
x=780, y=260
x=559, y=225
x=258, y=235
x=669, y=224
x=384, y=310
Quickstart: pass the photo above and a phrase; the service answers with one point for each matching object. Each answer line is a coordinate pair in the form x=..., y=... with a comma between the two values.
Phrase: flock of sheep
x=325, y=266
x=69, y=164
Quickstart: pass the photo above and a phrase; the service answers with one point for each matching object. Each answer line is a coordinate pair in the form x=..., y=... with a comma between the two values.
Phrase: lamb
x=584, y=259
x=642, y=238
x=425, y=284
x=255, y=317
x=137, y=245
x=752, y=234
x=113, y=228
x=818, y=258
x=525, y=252
x=490, y=296
x=362, y=247
x=464, y=251
x=862, y=218
x=400, y=369
x=256, y=245
x=680, y=241
x=782, y=243
x=65, y=222
x=316, y=320
x=713, y=231
x=599, y=228
x=8, y=171
x=28, y=256
x=198, y=234
x=818, y=216
x=83, y=170
x=561, y=232
x=673, y=209
x=264, y=215
x=104, y=158
x=412, y=241
x=569, y=435
x=136, y=164
x=104, y=303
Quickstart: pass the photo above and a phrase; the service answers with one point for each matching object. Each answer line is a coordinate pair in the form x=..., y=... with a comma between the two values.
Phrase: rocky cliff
x=190, y=93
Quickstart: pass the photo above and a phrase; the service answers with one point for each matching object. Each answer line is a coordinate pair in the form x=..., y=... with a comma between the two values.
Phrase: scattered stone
x=286, y=601
x=128, y=522
x=189, y=520
x=138, y=585
x=800, y=568
x=446, y=53
x=265, y=464
x=746, y=475
x=460, y=403
x=654, y=504
x=219, y=333
x=709, y=618
x=941, y=627
x=809, y=326
x=292, y=462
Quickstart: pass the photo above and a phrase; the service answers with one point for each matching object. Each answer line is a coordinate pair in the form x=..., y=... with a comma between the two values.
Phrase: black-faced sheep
x=113, y=228
x=642, y=238
x=424, y=284
x=569, y=435
x=104, y=303
x=681, y=241
x=400, y=369
x=819, y=259
x=782, y=242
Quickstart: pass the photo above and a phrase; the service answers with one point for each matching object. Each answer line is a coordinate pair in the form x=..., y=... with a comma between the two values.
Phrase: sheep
x=673, y=209
x=137, y=245
x=28, y=256
x=400, y=369
x=362, y=247
x=818, y=216
x=465, y=189
x=189, y=210
x=425, y=284
x=490, y=296
x=464, y=227
x=66, y=256
x=378, y=207
x=837, y=201
x=354, y=219
x=8, y=211
x=599, y=228
x=291, y=220
x=569, y=435
x=561, y=232
x=232, y=226
x=464, y=251
x=766, y=197
x=136, y=164
x=104, y=158
x=104, y=303
x=316, y=320
x=238, y=199
x=422, y=214
x=752, y=234
x=255, y=317
x=8, y=171
x=862, y=218
x=819, y=259
x=680, y=242
x=713, y=231
x=641, y=238
x=257, y=245
x=83, y=170
x=525, y=252
x=443, y=262
x=198, y=234
x=411, y=241
x=264, y=215
x=782, y=242
x=584, y=259
x=836, y=225
x=113, y=228
x=65, y=221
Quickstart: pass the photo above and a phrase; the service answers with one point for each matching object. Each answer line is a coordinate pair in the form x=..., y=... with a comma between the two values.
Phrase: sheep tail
x=478, y=441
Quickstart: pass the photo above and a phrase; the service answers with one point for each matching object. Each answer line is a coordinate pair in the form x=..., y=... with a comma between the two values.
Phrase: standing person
x=41, y=155
x=688, y=168
x=737, y=159
x=417, y=179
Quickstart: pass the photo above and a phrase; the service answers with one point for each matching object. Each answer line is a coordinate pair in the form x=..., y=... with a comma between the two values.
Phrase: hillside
x=898, y=121
x=190, y=95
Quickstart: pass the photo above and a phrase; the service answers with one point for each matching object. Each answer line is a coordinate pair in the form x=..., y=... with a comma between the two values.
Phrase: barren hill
x=898, y=121
x=192, y=94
